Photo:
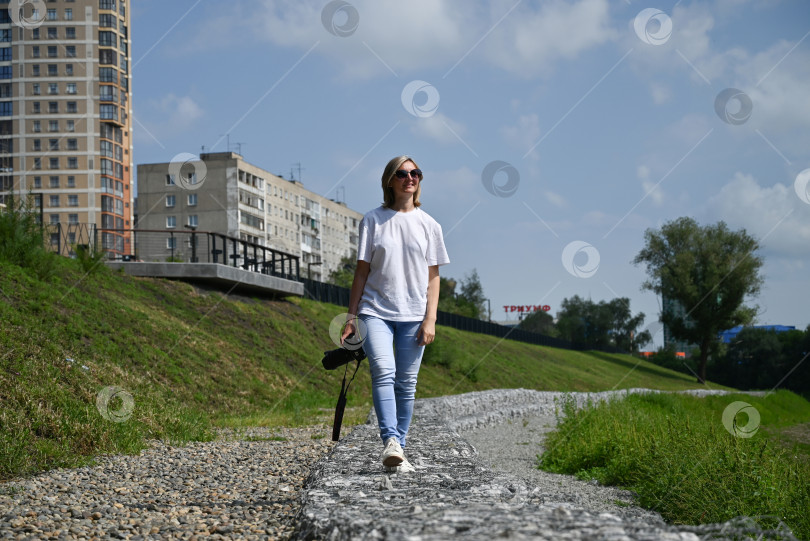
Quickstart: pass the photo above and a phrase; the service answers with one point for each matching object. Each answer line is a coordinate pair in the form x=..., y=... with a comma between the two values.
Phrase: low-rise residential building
x=222, y=193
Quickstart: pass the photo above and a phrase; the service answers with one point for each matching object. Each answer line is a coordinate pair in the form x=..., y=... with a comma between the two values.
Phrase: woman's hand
x=349, y=328
x=427, y=332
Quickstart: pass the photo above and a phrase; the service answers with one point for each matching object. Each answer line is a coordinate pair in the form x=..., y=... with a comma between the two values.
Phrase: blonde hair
x=388, y=174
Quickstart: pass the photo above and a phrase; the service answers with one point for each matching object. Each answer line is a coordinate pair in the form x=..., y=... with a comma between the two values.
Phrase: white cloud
x=774, y=214
x=525, y=133
x=440, y=128
x=556, y=199
x=660, y=93
x=422, y=34
x=168, y=116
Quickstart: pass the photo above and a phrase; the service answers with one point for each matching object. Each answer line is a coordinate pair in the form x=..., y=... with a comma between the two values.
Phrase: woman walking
x=395, y=292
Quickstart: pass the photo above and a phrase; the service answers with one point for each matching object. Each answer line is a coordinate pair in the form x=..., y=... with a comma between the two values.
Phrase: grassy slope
x=193, y=359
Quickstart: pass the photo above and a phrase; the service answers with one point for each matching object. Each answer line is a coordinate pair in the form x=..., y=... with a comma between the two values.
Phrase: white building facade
x=222, y=193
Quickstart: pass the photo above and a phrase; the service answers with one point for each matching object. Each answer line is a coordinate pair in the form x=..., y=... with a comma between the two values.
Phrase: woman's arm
x=358, y=285
x=427, y=331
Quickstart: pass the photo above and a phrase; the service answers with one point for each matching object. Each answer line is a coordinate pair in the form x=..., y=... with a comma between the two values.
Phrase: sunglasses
x=413, y=173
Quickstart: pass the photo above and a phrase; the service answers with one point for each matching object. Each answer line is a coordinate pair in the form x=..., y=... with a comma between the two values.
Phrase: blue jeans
x=394, y=356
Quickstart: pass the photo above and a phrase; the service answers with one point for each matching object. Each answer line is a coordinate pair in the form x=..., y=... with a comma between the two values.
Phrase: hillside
x=192, y=359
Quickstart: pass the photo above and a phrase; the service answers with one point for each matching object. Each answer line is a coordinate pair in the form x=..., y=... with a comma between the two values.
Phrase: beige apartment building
x=65, y=115
x=222, y=193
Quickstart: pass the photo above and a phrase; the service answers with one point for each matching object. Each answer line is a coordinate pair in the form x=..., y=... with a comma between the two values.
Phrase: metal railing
x=168, y=245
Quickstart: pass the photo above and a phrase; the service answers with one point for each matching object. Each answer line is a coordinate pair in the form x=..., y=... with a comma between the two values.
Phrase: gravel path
x=512, y=447
x=243, y=485
x=475, y=479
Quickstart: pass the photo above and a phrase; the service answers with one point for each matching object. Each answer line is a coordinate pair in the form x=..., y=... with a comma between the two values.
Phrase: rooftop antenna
x=297, y=165
x=340, y=194
x=239, y=147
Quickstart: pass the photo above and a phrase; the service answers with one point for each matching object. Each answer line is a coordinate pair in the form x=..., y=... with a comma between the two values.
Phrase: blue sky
x=552, y=134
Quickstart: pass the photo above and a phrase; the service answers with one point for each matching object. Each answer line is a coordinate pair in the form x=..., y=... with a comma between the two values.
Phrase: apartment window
x=108, y=93
x=107, y=149
x=73, y=163
x=35, y=89
x=37, y=145
x=71, y=126
x=73, y=200
x=106, y=4
x=73, y=219
x=52, y=71
x=122, y=45
x=5, y=90
x=171, y=243
x=123, y=64
x=51, y=32
x=53, y=107
x=70, y=51
x=54, y=200
x=72, y=144
x=54, y=181
x=169, y=200
x=171, y=222
x=192, y=221
x=71, y=107
x=53, y=144
x=192, y=200
x=53, y=125
x=70, y=32
x=34, y=71
x=6, y=108
x=106, y=167
x=54, y=221
x=107, y=56
x=37, y=126
x=5, y=35
x=68, y=14
x=37, y=163
x=109, y=112
x=53, y=88
x=53, y=163
x=35, y=51
x=107, y=21
x=68, y=69
x=170, y=180
x=51, y=14
x=35, y=33
x=38, y=184
x=51, y=51
x=71, y=181
x=71, y=88
x=107, y=75
x=106, y=39
x=5, y=54
x=5, y=72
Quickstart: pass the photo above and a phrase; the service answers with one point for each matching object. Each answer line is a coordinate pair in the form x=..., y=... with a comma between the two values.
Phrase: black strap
x=341, y=403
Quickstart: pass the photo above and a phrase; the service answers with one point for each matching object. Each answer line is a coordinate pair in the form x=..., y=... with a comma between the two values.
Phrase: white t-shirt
x=399, y=246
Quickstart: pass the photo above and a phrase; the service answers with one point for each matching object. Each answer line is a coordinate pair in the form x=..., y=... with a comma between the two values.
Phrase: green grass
x=676, y=454
x=195, y=359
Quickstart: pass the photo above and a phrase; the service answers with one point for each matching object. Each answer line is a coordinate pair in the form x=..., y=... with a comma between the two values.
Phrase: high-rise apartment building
x=65, y=114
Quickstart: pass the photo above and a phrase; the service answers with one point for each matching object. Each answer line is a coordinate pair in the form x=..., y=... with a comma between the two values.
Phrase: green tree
x=470, y=302
x=540, y=322
x=601, y=324
x=344, y=273
x=709, y=271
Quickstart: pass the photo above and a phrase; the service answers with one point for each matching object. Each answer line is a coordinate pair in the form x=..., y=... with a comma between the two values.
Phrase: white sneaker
x=392, y=454
x=404, y=467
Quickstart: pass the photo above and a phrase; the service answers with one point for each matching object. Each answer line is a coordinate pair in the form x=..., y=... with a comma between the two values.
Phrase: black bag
x=331, y=360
